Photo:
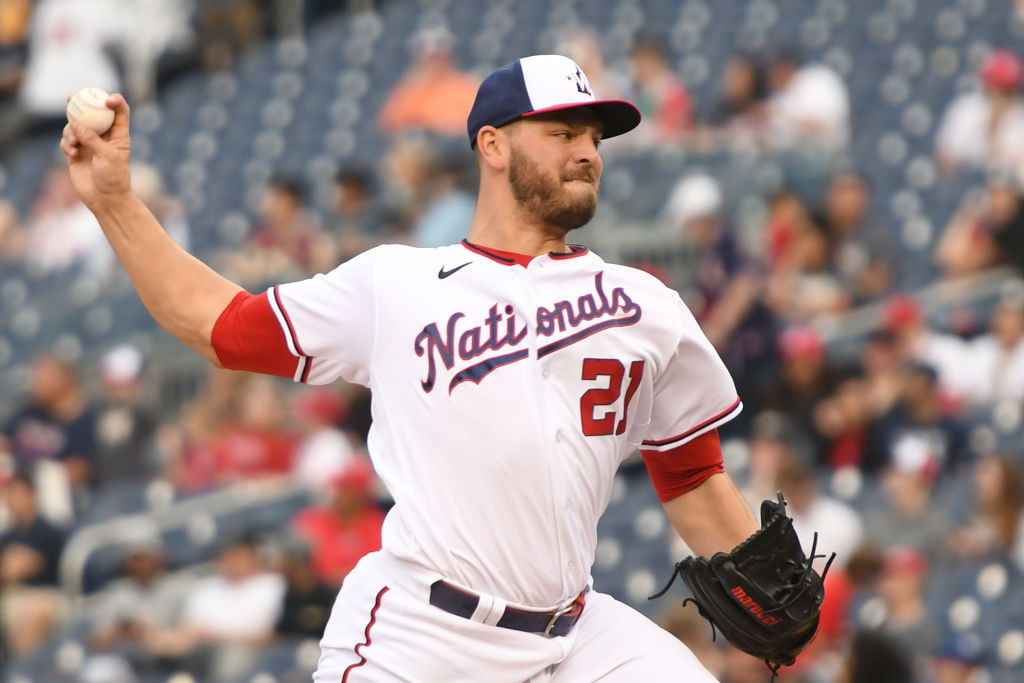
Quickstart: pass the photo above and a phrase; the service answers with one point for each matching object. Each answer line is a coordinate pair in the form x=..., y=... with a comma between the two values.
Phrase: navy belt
x=463, y=604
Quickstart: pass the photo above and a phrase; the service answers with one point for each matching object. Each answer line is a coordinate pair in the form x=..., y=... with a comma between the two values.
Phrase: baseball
x=88, y=106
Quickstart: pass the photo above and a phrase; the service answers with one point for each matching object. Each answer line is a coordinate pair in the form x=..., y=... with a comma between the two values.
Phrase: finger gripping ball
x=88, y=107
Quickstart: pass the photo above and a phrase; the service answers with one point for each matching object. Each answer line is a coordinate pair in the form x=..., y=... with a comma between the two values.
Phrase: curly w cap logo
x=582, y=84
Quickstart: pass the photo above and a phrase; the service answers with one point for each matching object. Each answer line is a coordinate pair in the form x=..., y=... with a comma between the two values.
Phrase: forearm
x=182, y=293
x=712, y=517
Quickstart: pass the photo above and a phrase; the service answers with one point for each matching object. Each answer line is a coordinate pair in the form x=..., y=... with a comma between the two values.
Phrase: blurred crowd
x=872, y=442
x=49, y=48
x=66, y=450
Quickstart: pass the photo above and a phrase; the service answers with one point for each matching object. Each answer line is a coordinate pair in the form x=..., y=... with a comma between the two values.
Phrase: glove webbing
x=805, y=567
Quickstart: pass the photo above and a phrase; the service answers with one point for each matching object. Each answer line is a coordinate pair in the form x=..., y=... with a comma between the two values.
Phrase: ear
x=493, y=148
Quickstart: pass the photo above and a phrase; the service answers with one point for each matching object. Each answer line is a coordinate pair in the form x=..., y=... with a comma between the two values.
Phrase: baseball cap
x=912, y=455
x=1003, y=70
x=905, y=559
x=539, y=84
x=801, y=342
x=357, y=476
x=122, y=365
x=902, y=311
x=142, y=537
x=695, y=196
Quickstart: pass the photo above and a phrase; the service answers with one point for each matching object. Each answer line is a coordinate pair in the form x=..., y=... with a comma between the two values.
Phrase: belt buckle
x=554, y=617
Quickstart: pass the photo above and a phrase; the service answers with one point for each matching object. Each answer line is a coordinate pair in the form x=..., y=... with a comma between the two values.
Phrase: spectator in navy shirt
x=56, y=425
x=29, y=552
x=918, y=427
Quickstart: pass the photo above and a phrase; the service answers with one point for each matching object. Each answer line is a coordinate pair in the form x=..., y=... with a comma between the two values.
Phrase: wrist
x=110, y=205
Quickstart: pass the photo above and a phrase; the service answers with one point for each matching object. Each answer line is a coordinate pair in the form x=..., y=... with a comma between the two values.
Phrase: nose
x=588, y=146
x=586, y=153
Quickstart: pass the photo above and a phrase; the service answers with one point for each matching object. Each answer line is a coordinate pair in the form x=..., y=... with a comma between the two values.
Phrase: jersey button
x=558, y=435
x=545, y=373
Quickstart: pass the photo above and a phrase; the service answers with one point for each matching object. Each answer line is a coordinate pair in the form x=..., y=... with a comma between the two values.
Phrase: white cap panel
x=554, y=80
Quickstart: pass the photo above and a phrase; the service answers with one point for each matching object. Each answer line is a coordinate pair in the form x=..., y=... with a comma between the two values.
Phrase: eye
x=564, y=134
x=597, y=142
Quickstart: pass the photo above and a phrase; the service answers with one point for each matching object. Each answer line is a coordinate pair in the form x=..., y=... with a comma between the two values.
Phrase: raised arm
x=183, y=294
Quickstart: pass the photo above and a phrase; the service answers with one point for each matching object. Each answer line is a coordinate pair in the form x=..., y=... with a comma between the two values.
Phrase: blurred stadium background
x=834, y=186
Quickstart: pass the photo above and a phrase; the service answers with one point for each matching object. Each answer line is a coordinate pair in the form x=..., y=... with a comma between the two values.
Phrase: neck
x=913, y=503
x=347, y=516
x=24, y=521
x=924, y=411
x=906, y=611
x=68, y=406
x=1009, y=343
x=303, y=582
x=500, y=223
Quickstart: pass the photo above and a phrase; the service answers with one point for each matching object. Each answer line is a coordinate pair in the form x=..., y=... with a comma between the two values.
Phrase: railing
x=197, y=516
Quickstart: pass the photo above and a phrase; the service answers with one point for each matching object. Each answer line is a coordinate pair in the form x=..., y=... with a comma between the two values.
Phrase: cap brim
x=617, y=116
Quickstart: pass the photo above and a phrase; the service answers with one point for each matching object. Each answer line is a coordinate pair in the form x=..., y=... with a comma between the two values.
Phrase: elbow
x=201, y=344
x=206, y=350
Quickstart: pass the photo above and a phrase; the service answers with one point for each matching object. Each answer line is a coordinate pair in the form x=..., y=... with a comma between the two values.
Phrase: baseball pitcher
x=511, y=374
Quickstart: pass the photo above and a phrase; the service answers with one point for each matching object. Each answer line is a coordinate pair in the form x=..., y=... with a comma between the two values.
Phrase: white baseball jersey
x=504, y=398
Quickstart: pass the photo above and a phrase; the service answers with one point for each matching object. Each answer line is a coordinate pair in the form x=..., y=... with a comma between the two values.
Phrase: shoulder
x=634, y=275
x=386, y=259
x=819, y=75
x=26, y=412
x=267, y=583
x=384, y=252
x=46, y=533
x=124, y=590
x=836, y=510
x=970, y=104
x=205, y=588
x=663, y=307
x=84, y=421
x=643, y=282
x=177, y=584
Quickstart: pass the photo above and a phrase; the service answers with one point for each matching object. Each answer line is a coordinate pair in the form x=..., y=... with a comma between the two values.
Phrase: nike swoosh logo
x=442, y=274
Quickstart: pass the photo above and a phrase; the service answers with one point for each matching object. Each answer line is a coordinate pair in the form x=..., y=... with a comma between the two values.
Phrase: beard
x=546, y=198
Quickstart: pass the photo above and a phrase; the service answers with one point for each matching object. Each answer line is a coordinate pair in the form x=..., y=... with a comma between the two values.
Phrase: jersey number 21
x=615, y=371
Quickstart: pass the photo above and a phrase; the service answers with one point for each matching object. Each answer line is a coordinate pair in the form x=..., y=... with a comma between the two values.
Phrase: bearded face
x=567, y=200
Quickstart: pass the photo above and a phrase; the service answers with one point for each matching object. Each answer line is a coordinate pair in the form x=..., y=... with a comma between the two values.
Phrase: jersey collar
x=510, y=258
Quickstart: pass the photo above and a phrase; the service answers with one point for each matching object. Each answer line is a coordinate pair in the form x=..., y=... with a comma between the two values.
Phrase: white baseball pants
x=383, y=628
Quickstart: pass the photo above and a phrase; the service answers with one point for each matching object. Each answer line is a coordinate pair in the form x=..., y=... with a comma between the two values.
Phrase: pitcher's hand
x=99, y=164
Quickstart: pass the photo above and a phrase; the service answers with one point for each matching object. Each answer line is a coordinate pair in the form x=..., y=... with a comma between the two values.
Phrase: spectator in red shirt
x=258, y=443
x=346, y=527
x=239, y=431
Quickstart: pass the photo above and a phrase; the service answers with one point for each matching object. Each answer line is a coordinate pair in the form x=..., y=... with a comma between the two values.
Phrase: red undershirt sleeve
x=684, y=468
x=248, y=336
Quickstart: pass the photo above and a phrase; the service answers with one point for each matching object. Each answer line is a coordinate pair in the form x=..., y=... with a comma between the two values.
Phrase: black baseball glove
x=763, y=596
